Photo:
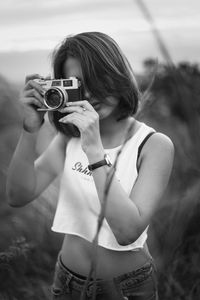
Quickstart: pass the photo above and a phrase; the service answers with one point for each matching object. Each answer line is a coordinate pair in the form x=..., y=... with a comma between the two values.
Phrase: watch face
x=108, y=161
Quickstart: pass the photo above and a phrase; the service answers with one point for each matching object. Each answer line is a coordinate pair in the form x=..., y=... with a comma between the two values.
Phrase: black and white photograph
x=100, y=150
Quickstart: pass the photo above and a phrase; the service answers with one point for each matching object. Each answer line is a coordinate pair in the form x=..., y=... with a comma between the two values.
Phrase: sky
x=31, y=29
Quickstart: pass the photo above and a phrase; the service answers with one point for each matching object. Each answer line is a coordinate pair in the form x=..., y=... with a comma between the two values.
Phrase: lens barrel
x=55, y=98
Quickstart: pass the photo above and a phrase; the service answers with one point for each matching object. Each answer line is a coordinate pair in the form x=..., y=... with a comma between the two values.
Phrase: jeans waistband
x=136, y=276
x=101, y=285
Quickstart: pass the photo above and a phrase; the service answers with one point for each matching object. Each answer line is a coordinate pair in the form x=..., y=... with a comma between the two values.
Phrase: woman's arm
x=129, y=216
x=27, y=178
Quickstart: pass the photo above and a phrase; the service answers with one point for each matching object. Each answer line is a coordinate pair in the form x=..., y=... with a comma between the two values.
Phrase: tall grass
x=174, y=109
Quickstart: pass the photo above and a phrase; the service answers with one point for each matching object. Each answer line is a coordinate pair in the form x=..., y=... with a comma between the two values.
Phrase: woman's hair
x=106, y=70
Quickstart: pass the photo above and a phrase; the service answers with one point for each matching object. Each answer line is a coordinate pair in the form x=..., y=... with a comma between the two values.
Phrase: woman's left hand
x=84, y=116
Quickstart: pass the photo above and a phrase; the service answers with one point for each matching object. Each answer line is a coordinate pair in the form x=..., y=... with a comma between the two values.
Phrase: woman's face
x=72, y=68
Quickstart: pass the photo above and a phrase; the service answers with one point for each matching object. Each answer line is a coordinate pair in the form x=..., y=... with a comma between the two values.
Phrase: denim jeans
x=139, y=284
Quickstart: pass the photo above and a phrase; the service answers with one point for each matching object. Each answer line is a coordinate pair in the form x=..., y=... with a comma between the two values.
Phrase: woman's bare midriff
x=76, y=254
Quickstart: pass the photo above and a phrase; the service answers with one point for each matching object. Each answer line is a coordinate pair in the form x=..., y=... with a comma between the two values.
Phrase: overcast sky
x=30, y=29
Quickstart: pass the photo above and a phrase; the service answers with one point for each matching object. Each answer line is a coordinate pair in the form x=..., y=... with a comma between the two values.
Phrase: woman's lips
x=96, y=106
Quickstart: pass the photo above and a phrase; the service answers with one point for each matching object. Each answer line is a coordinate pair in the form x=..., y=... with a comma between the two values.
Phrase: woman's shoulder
x=161, y=140
x=157, y=155
x=160, y=146
x=155, y=137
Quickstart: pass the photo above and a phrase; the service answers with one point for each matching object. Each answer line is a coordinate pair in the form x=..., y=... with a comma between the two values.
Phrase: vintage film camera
x=59, y=92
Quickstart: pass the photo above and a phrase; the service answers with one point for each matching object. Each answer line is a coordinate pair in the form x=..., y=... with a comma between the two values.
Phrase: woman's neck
x=114, y=132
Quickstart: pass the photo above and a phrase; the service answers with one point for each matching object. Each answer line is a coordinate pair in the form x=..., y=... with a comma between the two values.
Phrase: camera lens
x=55, y=98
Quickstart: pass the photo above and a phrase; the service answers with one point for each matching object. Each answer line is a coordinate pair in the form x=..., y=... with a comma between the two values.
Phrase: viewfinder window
x=56, y=83
x=67, y=83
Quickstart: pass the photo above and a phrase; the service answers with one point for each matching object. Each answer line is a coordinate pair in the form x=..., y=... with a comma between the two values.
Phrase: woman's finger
x=72, y=116
x=31, y=84
x=75, y=119
x=32, y=77
x=32, y=100
x=83, y=103
x=71, y=109
x=34, y=93
x=48, y=77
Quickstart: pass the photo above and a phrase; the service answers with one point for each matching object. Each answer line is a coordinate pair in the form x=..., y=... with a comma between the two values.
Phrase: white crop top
x=78, y=204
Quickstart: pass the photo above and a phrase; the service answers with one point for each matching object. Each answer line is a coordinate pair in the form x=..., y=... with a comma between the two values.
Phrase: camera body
x=59, y=92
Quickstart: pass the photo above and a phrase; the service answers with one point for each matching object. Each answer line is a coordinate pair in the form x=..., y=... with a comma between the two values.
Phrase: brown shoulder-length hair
x=106, y=70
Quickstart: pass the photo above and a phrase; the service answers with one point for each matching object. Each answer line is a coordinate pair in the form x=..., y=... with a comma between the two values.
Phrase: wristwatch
x=104, y=162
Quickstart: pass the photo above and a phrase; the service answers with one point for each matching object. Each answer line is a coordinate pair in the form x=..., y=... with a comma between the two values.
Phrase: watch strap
x=100, y=163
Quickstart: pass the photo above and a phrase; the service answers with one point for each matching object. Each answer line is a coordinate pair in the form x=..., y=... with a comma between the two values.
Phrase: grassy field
x=28, y=247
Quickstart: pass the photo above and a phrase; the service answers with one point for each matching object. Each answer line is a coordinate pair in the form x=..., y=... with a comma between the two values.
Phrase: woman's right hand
x=32, y=99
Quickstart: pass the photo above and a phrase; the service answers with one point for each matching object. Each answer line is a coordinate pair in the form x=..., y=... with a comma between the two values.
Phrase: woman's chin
x=104, y=116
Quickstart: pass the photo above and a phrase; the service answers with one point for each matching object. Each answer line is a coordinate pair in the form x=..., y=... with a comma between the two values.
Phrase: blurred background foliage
x=28, y=247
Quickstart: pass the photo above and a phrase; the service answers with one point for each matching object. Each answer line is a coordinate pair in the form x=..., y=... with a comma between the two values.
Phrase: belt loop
x=90, y=289
x=94, y=285
x=68, y=279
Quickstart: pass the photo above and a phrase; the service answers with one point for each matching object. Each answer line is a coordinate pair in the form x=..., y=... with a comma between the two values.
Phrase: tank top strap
x=143, y=143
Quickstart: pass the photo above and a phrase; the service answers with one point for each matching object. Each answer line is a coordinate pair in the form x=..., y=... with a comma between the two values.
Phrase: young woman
x=125, y=269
